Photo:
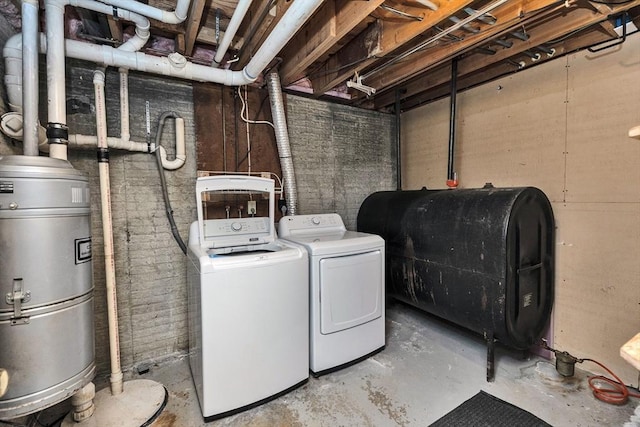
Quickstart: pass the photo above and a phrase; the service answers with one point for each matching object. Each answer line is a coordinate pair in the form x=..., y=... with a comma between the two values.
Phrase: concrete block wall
x=341, y=154
x=150, y=267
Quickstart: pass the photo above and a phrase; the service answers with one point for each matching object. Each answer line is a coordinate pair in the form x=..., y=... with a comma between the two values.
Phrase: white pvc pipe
x=107, y=229
x=124, y=104
x=30, y=80
x=232, y=29
x=12, y=53
x=57, y=112
x=168, y=17
x=54, y=13
x=142, y=24
x=176, y=65
x=181, y=152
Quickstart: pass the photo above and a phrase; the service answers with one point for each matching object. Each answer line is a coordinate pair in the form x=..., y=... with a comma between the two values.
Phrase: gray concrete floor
x=428, y=368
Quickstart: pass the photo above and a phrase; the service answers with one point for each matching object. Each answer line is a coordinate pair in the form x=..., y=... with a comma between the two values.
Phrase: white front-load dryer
x=346, y=273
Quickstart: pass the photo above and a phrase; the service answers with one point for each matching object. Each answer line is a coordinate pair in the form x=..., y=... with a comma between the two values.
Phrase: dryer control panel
x=330, y=223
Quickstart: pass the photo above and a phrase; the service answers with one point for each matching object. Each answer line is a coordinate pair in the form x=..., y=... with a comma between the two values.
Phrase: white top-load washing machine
x=347, y=289
x=248, y=299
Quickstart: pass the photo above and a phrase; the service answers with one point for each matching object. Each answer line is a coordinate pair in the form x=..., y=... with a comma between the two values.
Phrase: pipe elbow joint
x=98, y=77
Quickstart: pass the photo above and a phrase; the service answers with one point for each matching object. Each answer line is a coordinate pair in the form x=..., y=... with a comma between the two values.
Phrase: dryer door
x=351, y=290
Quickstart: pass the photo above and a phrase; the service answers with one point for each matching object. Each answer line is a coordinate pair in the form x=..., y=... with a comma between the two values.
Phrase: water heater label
x=6, y=186
x=83, y=250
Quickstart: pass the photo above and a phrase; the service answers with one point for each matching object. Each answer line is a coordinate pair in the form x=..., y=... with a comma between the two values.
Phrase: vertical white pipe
x=232, y=29
x=30, y=51
x=56, y=107
x=107, y=230
x=125, y=134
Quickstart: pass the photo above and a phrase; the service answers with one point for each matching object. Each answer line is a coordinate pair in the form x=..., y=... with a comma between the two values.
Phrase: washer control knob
x=13, y=206
x=236, y=226
x=315, y=220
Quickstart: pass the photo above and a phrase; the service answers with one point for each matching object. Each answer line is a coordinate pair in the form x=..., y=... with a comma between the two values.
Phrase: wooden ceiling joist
x=474, y=62
x=196, y=9
x=334, y=20
x=510, y=17
x=393, y=36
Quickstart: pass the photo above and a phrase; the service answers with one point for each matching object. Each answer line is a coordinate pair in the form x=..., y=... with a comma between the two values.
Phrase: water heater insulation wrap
x=481, y=258
x=46, y=290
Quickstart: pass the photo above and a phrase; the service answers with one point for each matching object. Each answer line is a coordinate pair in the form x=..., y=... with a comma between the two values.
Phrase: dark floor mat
x=485, y=410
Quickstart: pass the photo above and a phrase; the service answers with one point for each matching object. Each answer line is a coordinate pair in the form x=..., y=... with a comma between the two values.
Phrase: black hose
x=163, y=181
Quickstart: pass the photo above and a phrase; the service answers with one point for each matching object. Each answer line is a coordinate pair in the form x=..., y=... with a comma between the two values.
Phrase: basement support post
x=452, y=179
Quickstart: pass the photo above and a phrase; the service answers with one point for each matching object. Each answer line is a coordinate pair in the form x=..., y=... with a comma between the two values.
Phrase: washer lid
x=338, y=243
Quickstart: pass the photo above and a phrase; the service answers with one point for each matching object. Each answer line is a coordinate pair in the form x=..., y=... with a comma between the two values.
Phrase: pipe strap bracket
x=115, y=12
x=103, y=155
x=57, y=133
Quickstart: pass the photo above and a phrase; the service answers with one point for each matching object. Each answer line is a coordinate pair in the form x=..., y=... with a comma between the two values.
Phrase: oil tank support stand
x=491, y=344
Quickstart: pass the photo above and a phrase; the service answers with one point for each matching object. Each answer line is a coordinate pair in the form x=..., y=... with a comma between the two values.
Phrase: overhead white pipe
x=168, y=17
x=109, y=260
x=30, y=80
x=142, y=24
x=232, y=29
x=176, y=65
x=57, y=131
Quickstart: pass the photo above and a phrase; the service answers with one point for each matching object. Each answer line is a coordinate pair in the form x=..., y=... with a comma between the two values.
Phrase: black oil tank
x=481, y=258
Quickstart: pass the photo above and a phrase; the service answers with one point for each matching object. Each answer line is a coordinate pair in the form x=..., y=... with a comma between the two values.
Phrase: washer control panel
x=235, y=226
x=310, y=224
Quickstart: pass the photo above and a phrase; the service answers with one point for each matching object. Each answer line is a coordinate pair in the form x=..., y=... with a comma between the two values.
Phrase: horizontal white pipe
x=176, y=65
x=169, y=17
x=232, y=29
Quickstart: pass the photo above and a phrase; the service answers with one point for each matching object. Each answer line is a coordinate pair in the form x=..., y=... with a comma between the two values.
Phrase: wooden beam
x=333, y=21
x=180, y=44
x=194, y=17
x=115, y=28
x=474, y=62
x=510, y=17
x=393, y=36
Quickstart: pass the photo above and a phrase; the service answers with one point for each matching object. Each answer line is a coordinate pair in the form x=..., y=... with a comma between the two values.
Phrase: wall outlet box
x=251, y=207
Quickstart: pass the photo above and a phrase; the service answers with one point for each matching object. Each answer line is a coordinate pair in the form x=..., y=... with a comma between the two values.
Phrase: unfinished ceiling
x=393, y=51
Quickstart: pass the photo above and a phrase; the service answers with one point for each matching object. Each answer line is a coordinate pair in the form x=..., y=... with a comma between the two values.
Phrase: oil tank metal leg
x=491, y=342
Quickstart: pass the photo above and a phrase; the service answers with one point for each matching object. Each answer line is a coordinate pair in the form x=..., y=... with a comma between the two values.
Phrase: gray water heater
x=46, y=291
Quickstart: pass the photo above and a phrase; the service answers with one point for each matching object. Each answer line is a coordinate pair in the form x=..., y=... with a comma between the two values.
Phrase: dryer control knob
x=236, y=226
x=315, y=220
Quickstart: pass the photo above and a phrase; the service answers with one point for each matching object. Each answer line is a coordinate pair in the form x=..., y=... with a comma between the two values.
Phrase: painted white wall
x=562, y=127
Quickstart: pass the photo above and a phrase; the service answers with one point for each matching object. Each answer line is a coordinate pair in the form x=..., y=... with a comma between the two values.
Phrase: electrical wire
x=617, y=393
x=244, y=108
